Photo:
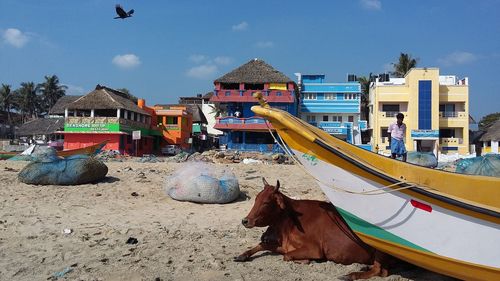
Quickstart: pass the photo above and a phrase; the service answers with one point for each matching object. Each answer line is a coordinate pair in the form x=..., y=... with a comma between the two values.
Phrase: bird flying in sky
x=121, y=12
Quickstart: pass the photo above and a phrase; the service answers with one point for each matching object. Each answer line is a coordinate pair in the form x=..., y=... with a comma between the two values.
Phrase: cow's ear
x=264, y=181
x=280, y=201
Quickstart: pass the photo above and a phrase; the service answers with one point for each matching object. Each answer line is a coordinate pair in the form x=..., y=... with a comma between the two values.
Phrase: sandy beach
x=175, y=240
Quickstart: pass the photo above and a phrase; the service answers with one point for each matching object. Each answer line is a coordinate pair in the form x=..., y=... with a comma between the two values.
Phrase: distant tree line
x=31, y=100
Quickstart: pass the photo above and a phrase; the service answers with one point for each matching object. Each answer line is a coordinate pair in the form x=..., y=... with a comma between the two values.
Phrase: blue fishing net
x=426, y=159
x=46, y=168
x=486, y=165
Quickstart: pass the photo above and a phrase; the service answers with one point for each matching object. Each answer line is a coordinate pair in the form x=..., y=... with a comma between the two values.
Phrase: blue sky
x=177, y=48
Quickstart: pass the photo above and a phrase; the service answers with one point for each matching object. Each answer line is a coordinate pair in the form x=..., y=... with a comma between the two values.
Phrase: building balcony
x=247, y=96
x=233, y=123
x=124, y=123
x=452, y=114
x=451, y=141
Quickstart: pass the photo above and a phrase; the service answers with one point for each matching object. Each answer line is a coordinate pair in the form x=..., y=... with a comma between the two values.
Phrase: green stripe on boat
x=359, y=225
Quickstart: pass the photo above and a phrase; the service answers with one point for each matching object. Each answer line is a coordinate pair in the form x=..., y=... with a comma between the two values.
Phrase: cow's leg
x=375, y=270
x=302, y=255
x=261, y=247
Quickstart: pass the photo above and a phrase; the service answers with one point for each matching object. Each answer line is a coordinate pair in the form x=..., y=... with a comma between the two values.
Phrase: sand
x=175, y=240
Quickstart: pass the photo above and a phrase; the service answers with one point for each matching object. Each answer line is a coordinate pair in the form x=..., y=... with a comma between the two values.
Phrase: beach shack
x=233, y=93
x=491, y=138
x=107, y=114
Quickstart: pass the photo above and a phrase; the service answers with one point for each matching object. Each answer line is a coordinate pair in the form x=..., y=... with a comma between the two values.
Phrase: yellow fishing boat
x=445, y=222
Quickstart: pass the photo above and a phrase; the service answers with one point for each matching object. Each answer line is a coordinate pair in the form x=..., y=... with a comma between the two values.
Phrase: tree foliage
x=488, y=120
x=51, y=91
x=365, y=96
x=128, y=95
x=404, y=64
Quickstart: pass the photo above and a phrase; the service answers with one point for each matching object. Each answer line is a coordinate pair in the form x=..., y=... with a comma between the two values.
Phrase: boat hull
x=445, y=222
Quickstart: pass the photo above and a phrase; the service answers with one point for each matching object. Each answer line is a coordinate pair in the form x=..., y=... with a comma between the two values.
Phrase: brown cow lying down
x=304, y=230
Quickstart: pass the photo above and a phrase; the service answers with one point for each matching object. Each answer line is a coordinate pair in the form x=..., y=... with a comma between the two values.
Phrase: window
x=311, y=118
x=330, y=96
x=447, y=133
x=390, y=107
x=325, y=117
x=350, y=118
x=309, y=96
x=254, y=86
x=349, y=96
x=337, y=118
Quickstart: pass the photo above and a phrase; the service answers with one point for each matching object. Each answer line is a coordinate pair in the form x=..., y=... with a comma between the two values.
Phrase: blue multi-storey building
x=333, y=107
x=233, y=94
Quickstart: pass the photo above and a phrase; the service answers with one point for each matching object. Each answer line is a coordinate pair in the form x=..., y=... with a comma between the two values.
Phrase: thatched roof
x=106, y=98
x=42, y=126
x=255, y=71
x=198, y=116
x=492, y=133
x=62, y=103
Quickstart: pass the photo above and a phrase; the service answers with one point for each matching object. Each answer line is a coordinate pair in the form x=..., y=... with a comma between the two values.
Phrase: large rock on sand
x=74, y=170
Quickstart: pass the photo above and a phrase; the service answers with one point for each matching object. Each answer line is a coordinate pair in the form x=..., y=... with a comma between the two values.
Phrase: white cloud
x=458, y=58
x=74, y=90
x=196, y=58
x=223, y=60
x=240, y=26
x=126, y=61
x=371, y=4
x=264, y=44
x=15, y=37
x=204, y=71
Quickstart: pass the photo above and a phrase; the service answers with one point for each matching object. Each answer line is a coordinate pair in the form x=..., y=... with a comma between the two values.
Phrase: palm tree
x=51, y=91
x=6, y=100
x=27, y=101
x=365, y=95
x=405, y=63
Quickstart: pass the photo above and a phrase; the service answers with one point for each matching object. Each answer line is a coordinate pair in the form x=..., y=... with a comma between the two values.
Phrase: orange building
x=174, y=121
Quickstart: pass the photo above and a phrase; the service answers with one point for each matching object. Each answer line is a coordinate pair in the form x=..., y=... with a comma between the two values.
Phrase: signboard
x=92, y=127
x=425, y=134
x=136, y=135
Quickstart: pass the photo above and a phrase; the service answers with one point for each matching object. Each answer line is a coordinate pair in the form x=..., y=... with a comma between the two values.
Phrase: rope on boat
x=383, y=190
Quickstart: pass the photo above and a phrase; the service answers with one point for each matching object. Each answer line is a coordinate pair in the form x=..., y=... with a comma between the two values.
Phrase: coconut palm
x=365, y=97
x=405, y=63
x=26, y=100
x=6, y=100
x=51, y=91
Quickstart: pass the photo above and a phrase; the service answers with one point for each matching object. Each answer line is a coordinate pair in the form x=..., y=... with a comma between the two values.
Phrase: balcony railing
x=451, y=141
x=249, y=93
x=452, y=114
x=234, y=120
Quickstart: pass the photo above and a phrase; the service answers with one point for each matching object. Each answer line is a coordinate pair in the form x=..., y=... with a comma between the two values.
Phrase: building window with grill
x=309, y=96
x=350, y=118
x=311, y=118
x=325, y=118
x=337, y=118
x=330, y=96
x=349, y=96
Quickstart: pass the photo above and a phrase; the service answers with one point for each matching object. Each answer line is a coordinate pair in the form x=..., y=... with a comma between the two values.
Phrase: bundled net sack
x=201, y=183
x=486, y=165
x=426, y=159
x=73, y=170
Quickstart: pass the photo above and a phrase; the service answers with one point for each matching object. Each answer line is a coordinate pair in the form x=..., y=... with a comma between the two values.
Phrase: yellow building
x=436, y=110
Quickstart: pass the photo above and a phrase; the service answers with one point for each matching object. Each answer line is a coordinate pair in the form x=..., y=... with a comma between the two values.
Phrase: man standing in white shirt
x=397, y=132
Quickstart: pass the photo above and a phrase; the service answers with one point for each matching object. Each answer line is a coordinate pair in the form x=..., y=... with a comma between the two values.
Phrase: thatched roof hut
x=105, y=98
x=42, y=126
x=492, y=133
x=61, y=104
x=254, y=72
